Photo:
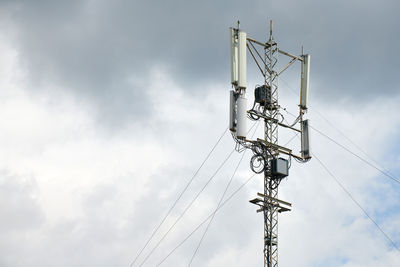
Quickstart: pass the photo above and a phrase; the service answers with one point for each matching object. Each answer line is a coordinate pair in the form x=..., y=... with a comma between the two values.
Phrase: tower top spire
x=271, y=28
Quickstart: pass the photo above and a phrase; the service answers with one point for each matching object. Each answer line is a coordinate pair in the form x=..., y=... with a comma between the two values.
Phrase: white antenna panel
x=232, y=111
x=305, y=76
x=241, y=118
x=242, y=36
x=305, y=140
x=234, y=56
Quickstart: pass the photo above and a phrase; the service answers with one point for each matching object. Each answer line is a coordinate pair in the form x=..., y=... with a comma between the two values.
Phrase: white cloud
x=75, y=194
x=99, y=195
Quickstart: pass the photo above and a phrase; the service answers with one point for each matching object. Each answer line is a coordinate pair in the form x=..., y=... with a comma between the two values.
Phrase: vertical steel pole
x=271, y=136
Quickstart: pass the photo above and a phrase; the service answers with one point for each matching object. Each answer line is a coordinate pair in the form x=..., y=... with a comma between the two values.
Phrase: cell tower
x=269, y=158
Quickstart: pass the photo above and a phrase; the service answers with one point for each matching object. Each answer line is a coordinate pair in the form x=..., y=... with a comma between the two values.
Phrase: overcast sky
x=107, y=108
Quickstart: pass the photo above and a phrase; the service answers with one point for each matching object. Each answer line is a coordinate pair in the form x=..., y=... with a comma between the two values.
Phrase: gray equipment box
x=279, y=168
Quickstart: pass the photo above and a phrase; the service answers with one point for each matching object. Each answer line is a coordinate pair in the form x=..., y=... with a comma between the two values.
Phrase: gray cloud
x=103, y=52
x=95, y=49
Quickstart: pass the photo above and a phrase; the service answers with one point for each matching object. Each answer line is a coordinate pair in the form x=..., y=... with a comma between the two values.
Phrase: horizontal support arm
x=290, y=55
x=275, y=199
x=274, y=120
x=257, y=42
x=280, y=149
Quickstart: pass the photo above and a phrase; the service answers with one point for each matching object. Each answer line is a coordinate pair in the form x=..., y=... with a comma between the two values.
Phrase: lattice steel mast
x=266, y=152
x=271, y=136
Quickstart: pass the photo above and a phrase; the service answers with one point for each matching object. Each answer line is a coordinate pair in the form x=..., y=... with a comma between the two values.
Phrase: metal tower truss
x=266, y=152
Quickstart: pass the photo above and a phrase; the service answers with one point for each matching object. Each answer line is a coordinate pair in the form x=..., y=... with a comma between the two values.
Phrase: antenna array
x=269, y=158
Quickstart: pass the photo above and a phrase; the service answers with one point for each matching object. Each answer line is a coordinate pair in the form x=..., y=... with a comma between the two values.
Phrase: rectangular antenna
x=232, y=111
x=242, y=50
x=305, y=140
x=305, y=75
x=241, y=118
x=234, y=56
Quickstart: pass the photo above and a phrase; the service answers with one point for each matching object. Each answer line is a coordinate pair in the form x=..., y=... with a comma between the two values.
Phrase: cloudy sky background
x=107, y=108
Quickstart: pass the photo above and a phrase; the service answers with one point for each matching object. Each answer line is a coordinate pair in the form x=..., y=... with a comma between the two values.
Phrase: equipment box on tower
x=279, y=168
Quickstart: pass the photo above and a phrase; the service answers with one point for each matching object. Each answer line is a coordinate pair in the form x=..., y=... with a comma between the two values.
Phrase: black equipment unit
x=262, y=95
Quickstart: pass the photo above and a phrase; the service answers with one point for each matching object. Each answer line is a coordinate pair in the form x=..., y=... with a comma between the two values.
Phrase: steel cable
x=187, y=207
x=179, y=197
x=356, y=202
x=198, y=227
x=191, y=203
x=340, y=132
x=220, y=200
x=379, y=168
x=354, y=154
